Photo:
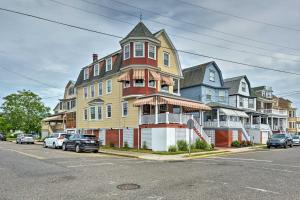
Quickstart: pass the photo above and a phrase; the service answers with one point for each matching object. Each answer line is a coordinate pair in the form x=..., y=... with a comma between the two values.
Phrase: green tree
x=24, y=111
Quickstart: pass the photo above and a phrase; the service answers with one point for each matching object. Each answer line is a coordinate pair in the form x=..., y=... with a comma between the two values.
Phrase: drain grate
x=128, y=186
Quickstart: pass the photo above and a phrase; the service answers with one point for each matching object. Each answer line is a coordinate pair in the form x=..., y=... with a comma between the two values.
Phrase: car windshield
x=88, y=136
x=28, y=135
x=278, y=136
x=295, y=137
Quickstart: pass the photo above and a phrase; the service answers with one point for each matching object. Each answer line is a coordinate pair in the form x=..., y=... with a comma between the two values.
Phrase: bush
x=212, y=146
x=172, y=148
x=145, y=145
x=249, y=143
x=236, y=144
x=111, y=144
x=244, y=143
x=182, y=145
x=193, y=146
x=200, y=144
x=126, y=145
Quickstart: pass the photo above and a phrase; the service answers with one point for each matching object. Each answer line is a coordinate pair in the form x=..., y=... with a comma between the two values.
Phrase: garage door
x=146, y=138
x=128, y=137
x=264, y=137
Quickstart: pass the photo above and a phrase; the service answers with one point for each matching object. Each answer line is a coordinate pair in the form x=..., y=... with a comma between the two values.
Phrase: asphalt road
x=31, y=172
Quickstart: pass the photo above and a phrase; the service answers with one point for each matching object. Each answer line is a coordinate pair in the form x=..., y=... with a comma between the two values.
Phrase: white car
x=55, y=140
x=25, y=138
x=296, y=139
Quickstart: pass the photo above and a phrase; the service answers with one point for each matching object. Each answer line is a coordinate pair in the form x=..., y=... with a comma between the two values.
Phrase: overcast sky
x=54, y=54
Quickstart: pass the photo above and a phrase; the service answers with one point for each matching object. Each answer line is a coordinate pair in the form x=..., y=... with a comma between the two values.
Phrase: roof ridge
x=197, y=66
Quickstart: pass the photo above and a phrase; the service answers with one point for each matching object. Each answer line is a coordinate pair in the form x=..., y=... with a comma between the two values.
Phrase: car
x=280, y=140
x=81, y=142
x=25, y=138
x=2, y=137
x=296, y=139
x=55, y=140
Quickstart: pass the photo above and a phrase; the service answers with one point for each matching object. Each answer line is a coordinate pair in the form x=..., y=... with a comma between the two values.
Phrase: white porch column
x=251, y=120
x=259, y=120
x=180, y=115
x=218, y=117
x=268, y=120
x=272, y=127
x=200, y=118
x=140, y=115
x=156, y=111
x=167, y=117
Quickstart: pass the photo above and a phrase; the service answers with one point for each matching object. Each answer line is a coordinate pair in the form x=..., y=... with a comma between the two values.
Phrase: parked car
x=25, y=138
x=280, y=140
x=2, y=137
x=296, y=140
x=55, y=140
x=79, y=142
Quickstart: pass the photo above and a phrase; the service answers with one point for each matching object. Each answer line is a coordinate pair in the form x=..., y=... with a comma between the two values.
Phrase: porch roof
x=236, y=113
x=56, y=118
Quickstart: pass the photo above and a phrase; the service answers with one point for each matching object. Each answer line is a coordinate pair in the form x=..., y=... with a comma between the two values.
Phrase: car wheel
x=54, y=145
x=95, y=151
x=44, y=145
x=269, y=147
x=291, y=145
x=285, y=145
x=77, y=149
x=21, y=142
x=64, y=147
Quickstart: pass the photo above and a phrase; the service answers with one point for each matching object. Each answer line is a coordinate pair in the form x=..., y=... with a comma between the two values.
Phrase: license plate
x=92, y=141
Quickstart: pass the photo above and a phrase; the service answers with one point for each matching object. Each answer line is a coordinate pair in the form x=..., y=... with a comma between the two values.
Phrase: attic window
x=243, y=86
x=108, y=64
x=86, y=74
x=166, y=59
x=126, y=51
x=212, y=75
x=139, y=49
x=96, y=69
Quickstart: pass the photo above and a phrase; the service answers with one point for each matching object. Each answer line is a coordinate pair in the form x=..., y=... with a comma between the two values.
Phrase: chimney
x=95, y=57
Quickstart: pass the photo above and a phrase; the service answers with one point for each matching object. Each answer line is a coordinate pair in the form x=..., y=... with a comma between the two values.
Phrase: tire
x=44, y=145
x=269, y=147
x=95, y=151
x=64, y=147
x=285, y=145
x=77, y=149
x=291, y=145
x=54, y=145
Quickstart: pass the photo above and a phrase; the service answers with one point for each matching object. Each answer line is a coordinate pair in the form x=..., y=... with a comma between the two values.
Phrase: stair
x=200, y=132
x=245, y=133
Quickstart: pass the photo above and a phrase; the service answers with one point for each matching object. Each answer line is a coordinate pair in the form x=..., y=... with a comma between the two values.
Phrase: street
x=31, y=172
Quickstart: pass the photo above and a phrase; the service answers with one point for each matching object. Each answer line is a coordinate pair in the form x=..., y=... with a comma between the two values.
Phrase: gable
x=208, y=79
x=246, y=89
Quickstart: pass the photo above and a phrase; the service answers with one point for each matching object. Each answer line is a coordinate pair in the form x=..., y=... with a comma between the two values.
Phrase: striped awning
x=138, y=74
x=167, y=80
x=124, y=77
x=155, y=76
x=53, y=118
x=187, y=104
x=144, y=101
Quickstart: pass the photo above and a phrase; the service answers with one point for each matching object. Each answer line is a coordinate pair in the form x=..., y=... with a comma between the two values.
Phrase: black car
x=2, y=137
x=81, y=142
x=280, y=140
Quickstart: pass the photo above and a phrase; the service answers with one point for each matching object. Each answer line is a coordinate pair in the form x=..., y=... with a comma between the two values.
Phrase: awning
x=144, y=101
x=53, y=118
x=183, y=103
x=167, y=80
x=124, y=77
x=236, y=113
x=138, y=74
x=155, y=76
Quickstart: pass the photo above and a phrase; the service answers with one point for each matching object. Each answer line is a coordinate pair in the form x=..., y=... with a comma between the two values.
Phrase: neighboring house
x=132, y=96
x=293, y=120
x=240, y=97
x=268, y=104
x=224, y=123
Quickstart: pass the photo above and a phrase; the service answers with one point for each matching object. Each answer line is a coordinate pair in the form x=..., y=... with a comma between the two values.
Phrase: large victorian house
x=132, y=96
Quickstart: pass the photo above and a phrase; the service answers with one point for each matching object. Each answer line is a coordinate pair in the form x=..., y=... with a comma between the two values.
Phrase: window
x=108, y=64
x=139, y=83
x=96, y=69
x=73, y=104
x=108, y=86
x=92, y=90
x=60, y=105
x=164, y=88
x=126, y=51
x=241, y=101
x=251, y=103
x=86, y=74
x=212, y=75
x=108, y=110
x=222, y=95
x=124, y=109
x=166, y=59
x=93, y=113
x=152, y=51
x=208, y=95
x=139, y=49
x=152, y=83
x=243, y=86
x=68, y=105
x=85, y=92
x=99, y=112
x=71, y=91
x=126, y=84
x=263, y=93
x=176, y=86
x=100, y=89
x=85, y=113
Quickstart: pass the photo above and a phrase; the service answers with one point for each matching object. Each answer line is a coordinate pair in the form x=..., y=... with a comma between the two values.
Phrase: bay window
x=139, y=49
x=139, y=83
x=152, y=51
x=126, y=53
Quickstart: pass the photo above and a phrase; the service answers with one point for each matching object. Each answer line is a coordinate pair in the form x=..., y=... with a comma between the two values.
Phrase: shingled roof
x=140, y=30
x=234, y=83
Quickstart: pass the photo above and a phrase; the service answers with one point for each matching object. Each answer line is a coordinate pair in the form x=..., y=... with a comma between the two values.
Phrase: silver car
x=25, y=138
x=296, y=139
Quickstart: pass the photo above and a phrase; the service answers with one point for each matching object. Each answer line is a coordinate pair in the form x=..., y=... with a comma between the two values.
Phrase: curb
x=118, y=154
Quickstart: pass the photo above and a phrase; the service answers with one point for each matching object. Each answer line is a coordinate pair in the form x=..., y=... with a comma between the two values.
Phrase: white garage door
x=235, y=135
x=102, y=135
x=264, y=137
x=146, y=137
x=128, y=137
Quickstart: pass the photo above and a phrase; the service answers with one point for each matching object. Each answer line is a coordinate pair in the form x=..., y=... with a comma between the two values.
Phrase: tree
x=24, y=111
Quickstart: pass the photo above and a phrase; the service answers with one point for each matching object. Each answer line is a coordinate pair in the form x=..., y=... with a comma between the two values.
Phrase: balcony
x=165, y=118
x=258, y=126
x=277, y=112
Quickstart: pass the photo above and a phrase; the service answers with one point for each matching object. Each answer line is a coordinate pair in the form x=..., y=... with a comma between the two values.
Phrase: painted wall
x=247, y=92
x=217, y=82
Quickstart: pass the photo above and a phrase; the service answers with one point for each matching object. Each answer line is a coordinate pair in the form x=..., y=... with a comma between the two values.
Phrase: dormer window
x=152, y=51
x=212, y=75
x=108, y=64
x=166, y=59
x=139, y=49
x=96, y=69
x=126, y=51
x=243, y=86
x=86, y=74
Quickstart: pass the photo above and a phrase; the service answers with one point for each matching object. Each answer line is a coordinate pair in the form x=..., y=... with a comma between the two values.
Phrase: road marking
x=272, y=169
x=262, y=190
x=245, y=159
x=88, y=165
x=26, y=154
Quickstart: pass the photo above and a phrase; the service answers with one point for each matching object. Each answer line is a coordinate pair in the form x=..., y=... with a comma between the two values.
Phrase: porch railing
x=274, y=111
x=165, y=118
x=229, y=124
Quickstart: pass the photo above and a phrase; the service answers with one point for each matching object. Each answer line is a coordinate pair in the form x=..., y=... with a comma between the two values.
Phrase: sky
x=53, y=54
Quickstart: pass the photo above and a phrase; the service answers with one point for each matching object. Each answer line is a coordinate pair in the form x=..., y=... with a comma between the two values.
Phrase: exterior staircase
x=200, y=132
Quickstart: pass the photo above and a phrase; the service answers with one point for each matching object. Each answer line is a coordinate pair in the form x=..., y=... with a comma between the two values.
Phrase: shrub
x=126, y=145
x=172, y=148
x=244, y=143
x=236, y=144
x=111, y=144
x=145, y=145
x=200, y=144
x=193, y=146
x=182, y=145
x=212, y=146
x=249, y=143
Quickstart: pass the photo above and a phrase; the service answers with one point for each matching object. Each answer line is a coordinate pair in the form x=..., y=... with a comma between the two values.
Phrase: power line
x=240, y=17
x=178, y=50
x=178, y=36
x=194, y=32
x=206, y=27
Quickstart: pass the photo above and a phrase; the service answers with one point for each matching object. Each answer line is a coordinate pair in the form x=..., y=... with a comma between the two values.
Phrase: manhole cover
x=128, y=186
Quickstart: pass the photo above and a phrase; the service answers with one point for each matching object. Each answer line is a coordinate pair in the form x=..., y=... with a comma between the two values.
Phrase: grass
x=10, y=139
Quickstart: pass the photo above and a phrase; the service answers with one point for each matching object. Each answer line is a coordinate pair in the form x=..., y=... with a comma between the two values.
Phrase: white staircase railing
x=200, y=132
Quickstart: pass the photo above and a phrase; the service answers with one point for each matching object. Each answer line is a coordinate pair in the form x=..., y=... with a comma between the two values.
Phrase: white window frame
x=154, y=84
x=96, y=66
x=86, y=75
x=212, y=78
x=87, y=114
x=124, y=52
x=134, y=84
x=85, y=89
x=178, y=86
x=101, y=108
x=92, y=88
x=166, y=53
x=125, y=102
x=134, y=53
x=100, y=83
x=154, y=51
x=164, y=90
x=223, y=96
x=109, y=80
x=124, y=84
x=90, y=109
x=107, y=105
x=244, y=88
x=209, y=92
x=106, y=64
